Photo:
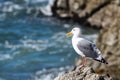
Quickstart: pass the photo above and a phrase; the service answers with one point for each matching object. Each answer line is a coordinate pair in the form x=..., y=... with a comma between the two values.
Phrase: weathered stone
x=109, y=44
x=86, y=73
x=105, y=16
x=98, y=13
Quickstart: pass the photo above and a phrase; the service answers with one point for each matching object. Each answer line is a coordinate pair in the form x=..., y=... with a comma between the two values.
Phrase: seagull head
x=75, y=31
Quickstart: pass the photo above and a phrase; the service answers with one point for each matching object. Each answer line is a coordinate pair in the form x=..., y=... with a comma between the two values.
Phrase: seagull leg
x=83, y=63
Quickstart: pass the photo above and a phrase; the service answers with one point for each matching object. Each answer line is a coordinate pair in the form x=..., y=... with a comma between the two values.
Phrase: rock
x=99, y=13
x=109, y=43
x=105, y=16
x=86, y=73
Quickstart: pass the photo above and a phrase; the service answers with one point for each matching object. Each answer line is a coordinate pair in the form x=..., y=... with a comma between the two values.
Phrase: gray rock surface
x=99, y=13
x=109, y=43
x=85, y=73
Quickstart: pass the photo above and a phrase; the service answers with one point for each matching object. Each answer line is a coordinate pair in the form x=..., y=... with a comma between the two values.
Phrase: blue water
x=32, y=46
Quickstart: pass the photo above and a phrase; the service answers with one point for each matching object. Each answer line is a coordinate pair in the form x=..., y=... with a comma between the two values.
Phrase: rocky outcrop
x=105, y=16
x=85, y=73
x=98, y=13
x=109, y=43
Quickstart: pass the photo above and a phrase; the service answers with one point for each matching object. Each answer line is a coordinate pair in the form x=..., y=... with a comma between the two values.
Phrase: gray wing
x=88, y=48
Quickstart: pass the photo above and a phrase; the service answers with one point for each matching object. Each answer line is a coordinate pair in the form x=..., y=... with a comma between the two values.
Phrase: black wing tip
x=106, y=62
x=103, y=61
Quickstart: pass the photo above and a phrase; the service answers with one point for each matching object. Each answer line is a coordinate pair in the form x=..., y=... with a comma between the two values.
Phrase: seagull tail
x=102, y=60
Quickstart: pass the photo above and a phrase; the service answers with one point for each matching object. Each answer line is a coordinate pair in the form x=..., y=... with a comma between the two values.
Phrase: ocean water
x=33, y=46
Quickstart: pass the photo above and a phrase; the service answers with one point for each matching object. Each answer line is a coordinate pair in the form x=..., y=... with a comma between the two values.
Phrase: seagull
x=85, y=48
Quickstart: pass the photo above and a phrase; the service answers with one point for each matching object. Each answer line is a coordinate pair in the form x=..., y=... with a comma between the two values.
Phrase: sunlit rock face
x=85, y=73
x=109, y=43
x=97, y=13
x=106, y=15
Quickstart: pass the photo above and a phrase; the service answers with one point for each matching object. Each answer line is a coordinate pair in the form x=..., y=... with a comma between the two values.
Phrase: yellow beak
x=69, y=33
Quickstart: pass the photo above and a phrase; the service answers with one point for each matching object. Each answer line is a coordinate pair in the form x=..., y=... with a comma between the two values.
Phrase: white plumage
x=84, y=47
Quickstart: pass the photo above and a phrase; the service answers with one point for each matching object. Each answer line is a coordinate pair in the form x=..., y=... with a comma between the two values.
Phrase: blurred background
x=33, y=41
x=34, y=46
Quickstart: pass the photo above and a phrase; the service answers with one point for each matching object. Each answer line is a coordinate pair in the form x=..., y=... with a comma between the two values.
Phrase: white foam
x=5, y=57
x=50, y=74
x=35, y=1
x=66, y=25
x=9, y=6
x=46, y=10
x=37, y=45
